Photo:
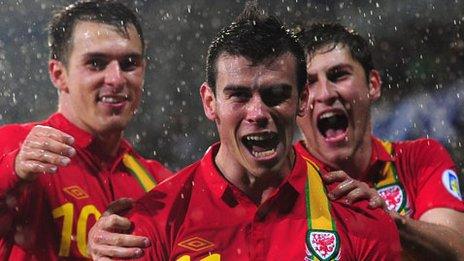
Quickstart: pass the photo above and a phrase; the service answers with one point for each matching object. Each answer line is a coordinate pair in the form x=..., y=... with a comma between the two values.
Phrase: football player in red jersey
x=417, y=179
x=59, y=175
x=251, y=197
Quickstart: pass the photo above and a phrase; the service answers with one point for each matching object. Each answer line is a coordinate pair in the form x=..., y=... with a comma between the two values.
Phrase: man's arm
x=436, y=228
x=43, y=150
x=437, y=235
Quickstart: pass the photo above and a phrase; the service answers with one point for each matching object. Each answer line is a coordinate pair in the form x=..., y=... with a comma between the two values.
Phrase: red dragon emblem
x=393, y=196
x=323, y=244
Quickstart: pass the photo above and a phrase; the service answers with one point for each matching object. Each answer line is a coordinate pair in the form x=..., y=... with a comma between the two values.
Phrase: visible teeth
x=255, y=138
x=108, y=99
x=112, y=99
x=327, y=115
x=263, y=153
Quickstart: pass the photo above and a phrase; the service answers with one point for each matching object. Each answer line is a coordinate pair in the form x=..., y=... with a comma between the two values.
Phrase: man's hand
x=44, y=150
x=352, y=190
x=107, y=238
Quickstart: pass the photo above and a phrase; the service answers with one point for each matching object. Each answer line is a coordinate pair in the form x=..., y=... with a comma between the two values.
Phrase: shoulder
x=158, y=170
x=163, y=196
x=12, y=135
x=427, y=169
x=160, y=212
x=17, y=129
x=419, y=145
x=155, y=168
x=420, y=153
x=178, y=181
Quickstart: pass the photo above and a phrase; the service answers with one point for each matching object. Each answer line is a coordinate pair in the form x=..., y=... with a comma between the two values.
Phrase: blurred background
x=418, y=46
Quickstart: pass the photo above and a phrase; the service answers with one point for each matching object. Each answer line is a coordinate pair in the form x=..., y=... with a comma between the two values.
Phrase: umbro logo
x=196, y=244
x=76, y=192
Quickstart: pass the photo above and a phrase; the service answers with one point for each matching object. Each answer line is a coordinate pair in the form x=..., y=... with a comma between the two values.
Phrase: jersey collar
x=378, y=159
x=219, y=185
x=82, y=138
x=300, y=148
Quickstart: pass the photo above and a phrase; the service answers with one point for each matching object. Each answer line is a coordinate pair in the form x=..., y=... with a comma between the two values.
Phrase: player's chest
x=240, y=232
x=233, y=236
x=84, y=183
x=77, y=196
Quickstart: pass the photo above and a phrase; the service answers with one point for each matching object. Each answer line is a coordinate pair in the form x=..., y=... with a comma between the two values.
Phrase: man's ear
x=57, y=72
x=375, y=84
x=209, y=101
x=303, y=101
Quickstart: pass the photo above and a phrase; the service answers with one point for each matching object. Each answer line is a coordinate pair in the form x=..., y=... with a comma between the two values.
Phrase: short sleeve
x=437, y=179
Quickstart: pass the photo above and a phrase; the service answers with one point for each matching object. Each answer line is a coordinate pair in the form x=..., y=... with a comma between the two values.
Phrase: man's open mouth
x=113, y=99
x=261, y=144
x=332, y=124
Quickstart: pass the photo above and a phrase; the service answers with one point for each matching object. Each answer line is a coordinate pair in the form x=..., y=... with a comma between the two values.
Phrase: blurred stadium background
x=418, y=45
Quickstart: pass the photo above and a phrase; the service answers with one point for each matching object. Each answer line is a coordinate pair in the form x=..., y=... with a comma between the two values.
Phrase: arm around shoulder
x=437, y=235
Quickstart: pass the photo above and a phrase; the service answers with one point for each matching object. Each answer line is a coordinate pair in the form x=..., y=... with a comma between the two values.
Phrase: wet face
x=337, y=125
x=255, y=109
x=101, y=86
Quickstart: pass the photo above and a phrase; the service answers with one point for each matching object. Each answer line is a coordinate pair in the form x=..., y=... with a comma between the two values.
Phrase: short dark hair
x=61, y=27
x=319, y=35
x=259, y=38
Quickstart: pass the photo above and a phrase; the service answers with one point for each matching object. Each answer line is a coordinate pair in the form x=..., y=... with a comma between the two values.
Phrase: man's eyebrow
x=279, y=85
x=104, y=55
x=340, y=67
x=233, y=87
x=95, y=54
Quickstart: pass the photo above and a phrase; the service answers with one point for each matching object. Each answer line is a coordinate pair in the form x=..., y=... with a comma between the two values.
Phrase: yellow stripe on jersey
x=318, y=201
x=138, y=171
x=321, y=224
x=388, y=172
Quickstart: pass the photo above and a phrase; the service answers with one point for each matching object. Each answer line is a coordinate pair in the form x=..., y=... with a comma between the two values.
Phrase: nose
x=114, y=75
x=257, y=112
x=324, y=91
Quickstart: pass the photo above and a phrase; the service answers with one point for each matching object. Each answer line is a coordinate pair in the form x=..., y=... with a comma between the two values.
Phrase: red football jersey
x=199, y=215
x=57, y=210
x=425, y=170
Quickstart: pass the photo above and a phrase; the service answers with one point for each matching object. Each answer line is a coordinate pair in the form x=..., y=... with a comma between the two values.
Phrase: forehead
x=238, y=70
x=328, y=57
x=101, y=37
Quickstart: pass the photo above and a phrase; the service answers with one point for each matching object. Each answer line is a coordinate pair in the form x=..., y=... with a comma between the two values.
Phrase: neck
x=356, y=165
x=107, y=145
x=106, y=142
x=257, y=186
